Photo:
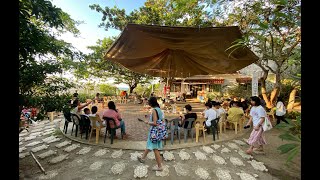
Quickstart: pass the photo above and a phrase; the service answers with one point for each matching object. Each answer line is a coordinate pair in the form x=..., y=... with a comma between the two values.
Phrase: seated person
x=77, y=106
x=94, y=111
x=210, y=115
x=234, y=111
x=188, y=115
x=84, y=120
x=217, y=107
x=86, y=112
x=112, y=112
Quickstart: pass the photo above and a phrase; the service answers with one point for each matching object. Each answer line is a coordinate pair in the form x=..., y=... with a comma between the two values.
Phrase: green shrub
x=83, y=97
x=240, y=91
x=292, y=132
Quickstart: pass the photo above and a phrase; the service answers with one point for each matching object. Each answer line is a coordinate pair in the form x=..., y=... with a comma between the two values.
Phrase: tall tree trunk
x=132, y=86
x=276, y=88
x=264, y=89
x=292, y=97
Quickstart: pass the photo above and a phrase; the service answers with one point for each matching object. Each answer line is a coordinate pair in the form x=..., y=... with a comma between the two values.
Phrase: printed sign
x=255, y=86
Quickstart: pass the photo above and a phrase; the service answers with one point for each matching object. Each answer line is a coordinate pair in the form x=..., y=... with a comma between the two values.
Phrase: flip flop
x=156, y=168
x=249, y=152
x=141, y=160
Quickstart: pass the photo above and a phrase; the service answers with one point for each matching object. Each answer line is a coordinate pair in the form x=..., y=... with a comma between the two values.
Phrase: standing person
x=201, y=96
x=257, y=117
x=74, y=97
x=280, y=111
x=150, y=145
x=97, y=98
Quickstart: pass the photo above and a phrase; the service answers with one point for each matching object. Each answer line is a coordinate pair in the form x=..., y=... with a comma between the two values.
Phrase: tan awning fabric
x=179, y=51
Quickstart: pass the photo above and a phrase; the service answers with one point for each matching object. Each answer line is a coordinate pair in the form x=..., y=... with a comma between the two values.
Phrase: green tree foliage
x=271, y=28
x=41, y=53
x=157, y=12
x=108, y=90
x=95, y=65
x=240, y=90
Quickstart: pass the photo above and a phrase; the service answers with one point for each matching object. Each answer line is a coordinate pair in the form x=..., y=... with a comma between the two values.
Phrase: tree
x=95, y=65
x=190, y=13
x=108, y=89
x=41, y=53
x=271, y=28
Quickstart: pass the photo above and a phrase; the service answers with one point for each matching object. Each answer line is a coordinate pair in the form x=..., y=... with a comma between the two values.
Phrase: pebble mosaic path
x=65, y=159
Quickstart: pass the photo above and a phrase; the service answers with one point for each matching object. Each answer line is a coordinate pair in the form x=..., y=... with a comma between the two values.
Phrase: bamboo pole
x=38, y=163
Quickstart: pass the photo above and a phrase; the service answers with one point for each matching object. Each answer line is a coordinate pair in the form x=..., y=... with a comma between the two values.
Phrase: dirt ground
x=276, y=162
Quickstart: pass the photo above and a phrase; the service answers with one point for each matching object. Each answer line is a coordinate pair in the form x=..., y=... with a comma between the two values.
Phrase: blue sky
x=90, y=32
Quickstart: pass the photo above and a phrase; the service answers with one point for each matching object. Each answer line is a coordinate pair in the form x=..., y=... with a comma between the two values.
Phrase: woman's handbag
x=159, y=132
x=266, y=124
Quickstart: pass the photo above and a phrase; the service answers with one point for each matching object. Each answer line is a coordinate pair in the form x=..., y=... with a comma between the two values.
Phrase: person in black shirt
x=188, y=115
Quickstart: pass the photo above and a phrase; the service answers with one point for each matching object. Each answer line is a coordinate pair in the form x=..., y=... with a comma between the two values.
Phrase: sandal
x=156, y=168
x=249, y=152
x=141, y=160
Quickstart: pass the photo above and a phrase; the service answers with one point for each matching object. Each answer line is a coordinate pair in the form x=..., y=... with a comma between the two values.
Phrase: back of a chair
x=108, y=119
x=67, y=116
x=200, y=121
x=235, y=118
x=223, y=117
x=190, y=122
x=238, y=117
x=174, y=123
x=86, y=120
x=215, y=122
x=94, y=120
x=75, y=119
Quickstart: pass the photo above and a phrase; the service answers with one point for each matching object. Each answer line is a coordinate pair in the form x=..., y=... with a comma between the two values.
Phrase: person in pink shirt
x=112, y=112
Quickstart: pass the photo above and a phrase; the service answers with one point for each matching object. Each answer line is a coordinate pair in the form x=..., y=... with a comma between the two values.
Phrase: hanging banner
x=255, y=86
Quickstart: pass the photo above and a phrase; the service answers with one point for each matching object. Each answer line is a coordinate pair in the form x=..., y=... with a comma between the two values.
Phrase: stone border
x=131, y=147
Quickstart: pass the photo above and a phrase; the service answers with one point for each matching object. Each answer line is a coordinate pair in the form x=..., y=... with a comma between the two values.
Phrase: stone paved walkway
x=68, y=158
x=63, y=158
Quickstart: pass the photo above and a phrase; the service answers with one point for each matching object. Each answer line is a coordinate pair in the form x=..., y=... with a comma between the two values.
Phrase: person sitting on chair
x=210, y=115
x=112, y=112
x=94, y=111
x=188, y=115
x=234, y=111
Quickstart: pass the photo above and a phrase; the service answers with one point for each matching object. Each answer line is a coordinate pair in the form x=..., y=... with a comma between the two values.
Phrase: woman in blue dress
x=150, y=145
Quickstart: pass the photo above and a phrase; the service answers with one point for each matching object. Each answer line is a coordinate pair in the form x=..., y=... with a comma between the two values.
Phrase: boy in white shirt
x=210, y=115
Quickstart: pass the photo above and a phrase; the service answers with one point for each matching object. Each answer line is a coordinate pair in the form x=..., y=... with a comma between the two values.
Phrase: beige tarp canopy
x=179, y=51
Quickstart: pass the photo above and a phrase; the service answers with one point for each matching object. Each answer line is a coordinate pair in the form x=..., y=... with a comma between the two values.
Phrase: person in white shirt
x=94, y=111
x=217, y=107
x=257, y=117
x=280, y=111
x=210, y=115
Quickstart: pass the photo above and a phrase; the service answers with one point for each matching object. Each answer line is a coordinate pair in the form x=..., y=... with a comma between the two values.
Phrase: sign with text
x=255, y=86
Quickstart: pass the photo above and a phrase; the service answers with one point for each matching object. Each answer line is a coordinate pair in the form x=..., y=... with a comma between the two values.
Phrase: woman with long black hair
x=155, y=115
x=257, y=117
